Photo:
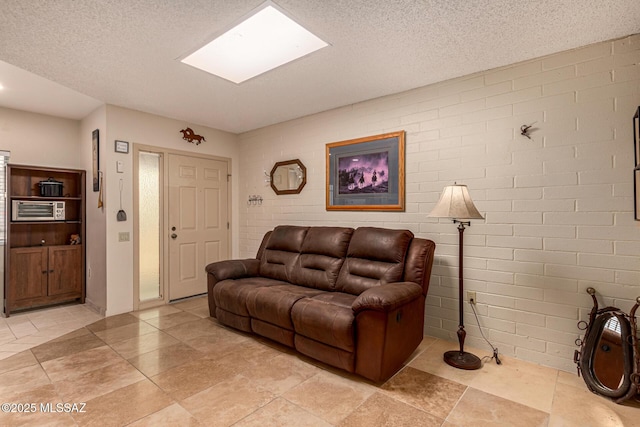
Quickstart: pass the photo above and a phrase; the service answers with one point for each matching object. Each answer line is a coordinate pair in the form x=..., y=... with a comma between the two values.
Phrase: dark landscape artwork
x=364, y=173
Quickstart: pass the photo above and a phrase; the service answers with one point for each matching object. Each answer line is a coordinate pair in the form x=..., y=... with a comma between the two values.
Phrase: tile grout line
x=553, y=395
x=446, y=419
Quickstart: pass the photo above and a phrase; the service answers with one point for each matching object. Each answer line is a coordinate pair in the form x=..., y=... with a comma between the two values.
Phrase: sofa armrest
x=387, y=297
x=233, y=269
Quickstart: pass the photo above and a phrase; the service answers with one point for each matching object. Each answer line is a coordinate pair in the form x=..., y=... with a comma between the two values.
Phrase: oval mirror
x=288, y=177
x=607, y=358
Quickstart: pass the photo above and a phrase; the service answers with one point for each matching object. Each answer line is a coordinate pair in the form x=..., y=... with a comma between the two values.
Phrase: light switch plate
x=119, y=166
x=123, y=237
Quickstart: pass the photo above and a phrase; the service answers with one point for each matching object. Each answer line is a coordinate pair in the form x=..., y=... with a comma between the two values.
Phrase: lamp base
x=462, y=360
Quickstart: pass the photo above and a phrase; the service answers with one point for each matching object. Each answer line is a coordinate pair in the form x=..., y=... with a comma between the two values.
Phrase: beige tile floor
x=22, y=331
x=175, y=366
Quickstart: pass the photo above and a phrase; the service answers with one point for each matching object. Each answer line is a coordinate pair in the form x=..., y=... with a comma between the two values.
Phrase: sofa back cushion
x=281, y=252
x=419, y=262
x=263, y=245
x=321, y=257
x=375, y=256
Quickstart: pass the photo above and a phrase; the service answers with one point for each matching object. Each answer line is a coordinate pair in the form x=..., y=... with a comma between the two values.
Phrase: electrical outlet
x=123, y=237
x=471, y=297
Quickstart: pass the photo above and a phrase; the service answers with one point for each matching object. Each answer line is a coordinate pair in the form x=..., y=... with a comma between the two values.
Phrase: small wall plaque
x=122, y=146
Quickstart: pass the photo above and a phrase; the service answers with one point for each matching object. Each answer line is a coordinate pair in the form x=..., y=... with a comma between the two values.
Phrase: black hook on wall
x=524, y=130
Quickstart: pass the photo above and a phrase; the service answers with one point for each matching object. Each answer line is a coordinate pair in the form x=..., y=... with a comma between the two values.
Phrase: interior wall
x=96, y=247
x=558, y=206
x=39, y=140
x=148, y=129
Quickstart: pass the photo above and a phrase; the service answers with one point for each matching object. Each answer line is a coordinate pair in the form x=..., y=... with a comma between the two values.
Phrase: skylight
x=262, y=42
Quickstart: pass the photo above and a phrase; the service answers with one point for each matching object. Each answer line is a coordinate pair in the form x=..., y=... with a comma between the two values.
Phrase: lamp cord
x=495, y=349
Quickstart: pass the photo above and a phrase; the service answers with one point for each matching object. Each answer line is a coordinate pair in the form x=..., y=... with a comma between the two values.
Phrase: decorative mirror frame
x=287, y=163
x=585, y=357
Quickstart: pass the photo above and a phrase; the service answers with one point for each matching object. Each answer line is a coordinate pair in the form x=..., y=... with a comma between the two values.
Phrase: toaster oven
x=37, y=210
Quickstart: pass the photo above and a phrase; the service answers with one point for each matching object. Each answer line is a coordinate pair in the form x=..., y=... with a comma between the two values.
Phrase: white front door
x=198, y=222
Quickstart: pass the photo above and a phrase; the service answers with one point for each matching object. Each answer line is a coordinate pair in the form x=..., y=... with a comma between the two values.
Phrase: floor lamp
x=455, y=203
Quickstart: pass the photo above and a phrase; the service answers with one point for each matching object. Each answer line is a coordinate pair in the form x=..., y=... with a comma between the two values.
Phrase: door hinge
x=227, y=225
x=228, y=177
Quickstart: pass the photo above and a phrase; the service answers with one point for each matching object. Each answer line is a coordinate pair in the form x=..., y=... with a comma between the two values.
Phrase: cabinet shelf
x=17, y=197
x=43, y=246
x=14, y=223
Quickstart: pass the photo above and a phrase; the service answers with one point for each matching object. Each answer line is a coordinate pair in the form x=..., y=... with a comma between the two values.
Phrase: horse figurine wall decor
x=189, y=136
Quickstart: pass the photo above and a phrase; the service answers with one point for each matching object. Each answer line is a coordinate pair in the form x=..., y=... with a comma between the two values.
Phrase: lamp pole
x=461, y=332
x=461, y=359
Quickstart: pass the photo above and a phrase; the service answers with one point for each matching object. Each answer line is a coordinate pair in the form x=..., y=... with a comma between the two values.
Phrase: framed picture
x=95, y=140
x=636, y=170
x=636, y=192
x=122, y=146
x=366, y=173
x=636, y=136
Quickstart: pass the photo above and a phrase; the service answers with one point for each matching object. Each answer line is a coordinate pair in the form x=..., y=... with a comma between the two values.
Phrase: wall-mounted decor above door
x=190, y=136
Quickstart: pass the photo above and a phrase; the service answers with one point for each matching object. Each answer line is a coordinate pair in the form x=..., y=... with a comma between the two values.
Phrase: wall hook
x=524, y=130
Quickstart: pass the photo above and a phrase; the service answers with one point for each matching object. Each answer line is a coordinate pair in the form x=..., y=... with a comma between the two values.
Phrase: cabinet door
x=28, y=273
x=65, y=269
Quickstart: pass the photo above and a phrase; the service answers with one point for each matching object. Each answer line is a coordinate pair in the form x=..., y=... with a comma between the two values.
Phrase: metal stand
x=461, y=359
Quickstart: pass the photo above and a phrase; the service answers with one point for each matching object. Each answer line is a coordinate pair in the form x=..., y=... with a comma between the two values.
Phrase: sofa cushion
x=274, y=304
x=281, y=252
x=322, y=320
x=231, y=295
x=337, y=298
x=321, y=257
x=375, y=256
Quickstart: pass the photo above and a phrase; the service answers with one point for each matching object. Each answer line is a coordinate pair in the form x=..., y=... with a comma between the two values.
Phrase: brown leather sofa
x=353, y=299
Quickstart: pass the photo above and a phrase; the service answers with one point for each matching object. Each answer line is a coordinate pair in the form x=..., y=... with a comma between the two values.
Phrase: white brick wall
x=558, y=207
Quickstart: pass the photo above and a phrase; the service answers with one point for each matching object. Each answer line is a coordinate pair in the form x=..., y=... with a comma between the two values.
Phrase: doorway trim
x=164, y=197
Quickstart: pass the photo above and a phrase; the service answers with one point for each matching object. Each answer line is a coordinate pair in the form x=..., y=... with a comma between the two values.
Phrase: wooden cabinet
x=64, y=275
x=27, y=274
x=41, y=272
x=42, y=267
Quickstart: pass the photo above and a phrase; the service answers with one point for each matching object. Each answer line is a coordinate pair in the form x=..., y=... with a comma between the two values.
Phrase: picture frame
x=636, y=137
x=366, y=174
x=636, y=193
x=636, y=169
x=95, y=149
x=121, y=147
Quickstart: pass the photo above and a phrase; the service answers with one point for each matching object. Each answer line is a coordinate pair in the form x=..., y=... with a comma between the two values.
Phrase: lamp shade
x=455, y=202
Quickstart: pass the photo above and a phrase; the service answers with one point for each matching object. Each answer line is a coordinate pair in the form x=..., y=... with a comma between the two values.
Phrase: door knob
x=174, y=235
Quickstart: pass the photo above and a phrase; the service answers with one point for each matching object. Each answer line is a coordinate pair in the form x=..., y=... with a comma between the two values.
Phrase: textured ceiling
x=125, y=52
